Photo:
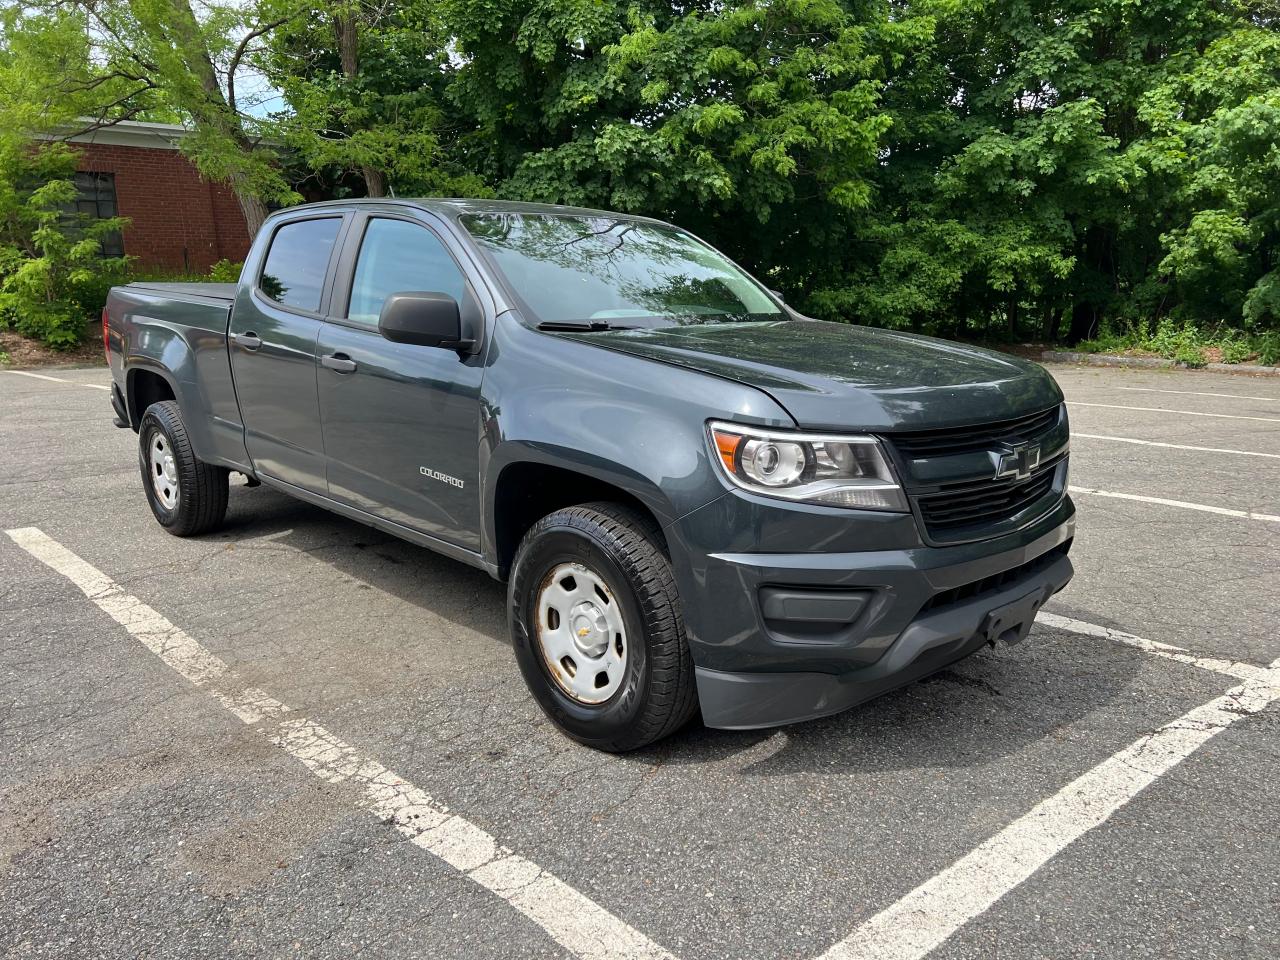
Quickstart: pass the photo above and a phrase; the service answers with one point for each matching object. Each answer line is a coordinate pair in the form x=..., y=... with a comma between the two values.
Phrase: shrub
x=1188, y=353
x=52, y=272
x=1111, y=339
x=225, y=271
x=1236, y=351
x=1268, y=346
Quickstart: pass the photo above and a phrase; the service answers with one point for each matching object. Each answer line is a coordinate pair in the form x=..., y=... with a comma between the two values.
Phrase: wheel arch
x=524, y=490
x=145, y=385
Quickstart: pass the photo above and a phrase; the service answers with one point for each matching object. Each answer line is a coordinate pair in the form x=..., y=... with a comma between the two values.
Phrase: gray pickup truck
x=699, y=499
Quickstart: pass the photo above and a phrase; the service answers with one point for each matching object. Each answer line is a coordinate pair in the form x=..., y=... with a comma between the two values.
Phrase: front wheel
x=187, y=495
x=596, y=626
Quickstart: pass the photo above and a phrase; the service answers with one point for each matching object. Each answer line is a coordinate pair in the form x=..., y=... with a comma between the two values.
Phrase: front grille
x=969, y=505
x=996, y=581
x=943, y=443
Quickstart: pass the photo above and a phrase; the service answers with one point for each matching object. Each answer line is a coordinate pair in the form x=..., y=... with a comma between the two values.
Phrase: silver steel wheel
x=581, y=635
x=164, y=472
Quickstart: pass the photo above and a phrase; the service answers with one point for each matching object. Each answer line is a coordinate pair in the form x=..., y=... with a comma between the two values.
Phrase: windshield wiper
x=590, y=326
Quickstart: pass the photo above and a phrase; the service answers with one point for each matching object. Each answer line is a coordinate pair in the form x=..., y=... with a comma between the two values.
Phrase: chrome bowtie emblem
x=1018, y=461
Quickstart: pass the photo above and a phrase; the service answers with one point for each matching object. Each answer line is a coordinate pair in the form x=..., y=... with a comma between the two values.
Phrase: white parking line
x=1202, y=393
x=1181, y=413
x=41, y=376
x=1230, y=668
x=1172, y=446
x=1181, y=504
x=927, y=916
x=576, y=922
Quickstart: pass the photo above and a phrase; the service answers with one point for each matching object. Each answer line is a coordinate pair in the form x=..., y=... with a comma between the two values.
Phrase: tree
x=1048, y=166
x=968, y=169
x=1217, y=125
x=364, y=84
x=148, y=58
x=758, y=125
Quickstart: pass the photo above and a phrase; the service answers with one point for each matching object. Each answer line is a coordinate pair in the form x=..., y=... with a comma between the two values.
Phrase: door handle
x=338, y=362
x=250, y=341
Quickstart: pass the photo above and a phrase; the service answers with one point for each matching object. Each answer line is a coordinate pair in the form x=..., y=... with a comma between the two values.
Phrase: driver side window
x=395, y=256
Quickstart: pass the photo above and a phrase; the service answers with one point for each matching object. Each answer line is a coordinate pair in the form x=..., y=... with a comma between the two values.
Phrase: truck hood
x=835, y=376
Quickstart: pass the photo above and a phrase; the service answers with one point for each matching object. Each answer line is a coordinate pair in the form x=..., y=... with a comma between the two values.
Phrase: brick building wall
x=179, y=221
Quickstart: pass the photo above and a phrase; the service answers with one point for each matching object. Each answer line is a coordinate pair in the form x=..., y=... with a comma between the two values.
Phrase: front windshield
x=603, y=271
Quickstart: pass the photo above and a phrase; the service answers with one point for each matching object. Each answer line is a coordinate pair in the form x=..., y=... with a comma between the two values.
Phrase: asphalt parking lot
x=300, y=737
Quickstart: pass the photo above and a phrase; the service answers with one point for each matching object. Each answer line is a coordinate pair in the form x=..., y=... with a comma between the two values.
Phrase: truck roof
x=456, y=206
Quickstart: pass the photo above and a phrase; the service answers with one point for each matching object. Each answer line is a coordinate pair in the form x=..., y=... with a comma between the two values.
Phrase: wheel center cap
x=170, y=471
x=590, y=629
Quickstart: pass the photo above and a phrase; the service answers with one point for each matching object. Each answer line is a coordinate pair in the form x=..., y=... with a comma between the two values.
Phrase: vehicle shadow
x=991, y=705
x=420, y=577
x=994, y=704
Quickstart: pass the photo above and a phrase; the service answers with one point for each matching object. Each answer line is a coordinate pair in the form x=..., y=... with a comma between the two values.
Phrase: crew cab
x=699, y=499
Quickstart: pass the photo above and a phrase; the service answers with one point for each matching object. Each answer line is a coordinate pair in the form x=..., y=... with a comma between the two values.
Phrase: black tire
x=657, y=695
x=201, y=501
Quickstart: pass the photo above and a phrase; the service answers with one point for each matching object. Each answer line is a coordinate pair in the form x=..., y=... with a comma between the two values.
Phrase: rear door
x=274, y=327
x=401, y=421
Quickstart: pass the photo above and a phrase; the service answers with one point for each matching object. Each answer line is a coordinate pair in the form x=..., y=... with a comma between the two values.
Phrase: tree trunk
x=1084, y=321
x=375, y=183
x=347, y=32
x=254, y=210
x=1052, y=321
x=217, y=110
x=1092, y=282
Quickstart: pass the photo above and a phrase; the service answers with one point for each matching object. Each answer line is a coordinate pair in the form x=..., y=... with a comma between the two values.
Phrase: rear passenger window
x=397, y=256
x=297, y=262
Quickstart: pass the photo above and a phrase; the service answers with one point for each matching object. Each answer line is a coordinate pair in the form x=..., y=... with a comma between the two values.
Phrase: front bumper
x=738, y=701
x=779, y=637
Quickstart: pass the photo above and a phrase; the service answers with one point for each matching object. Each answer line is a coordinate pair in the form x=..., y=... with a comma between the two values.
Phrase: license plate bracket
x=1012, y=622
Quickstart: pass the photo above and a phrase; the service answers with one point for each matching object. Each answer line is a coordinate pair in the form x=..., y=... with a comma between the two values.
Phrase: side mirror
x=778, y=294
x=424, y=318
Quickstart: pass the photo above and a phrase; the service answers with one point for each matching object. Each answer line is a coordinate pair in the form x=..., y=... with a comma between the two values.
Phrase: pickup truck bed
x=202, y=291
x=180, y=330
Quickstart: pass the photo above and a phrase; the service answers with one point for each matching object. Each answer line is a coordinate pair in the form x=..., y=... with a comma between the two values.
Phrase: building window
x=96, y=200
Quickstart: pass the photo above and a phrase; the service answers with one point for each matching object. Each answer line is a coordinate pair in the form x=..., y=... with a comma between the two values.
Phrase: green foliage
x=225, y=271
x=1114, y=340
x=1173, y=340
x=365, y=84
x=191, y=59
x=1102, y=171
x=87, y=63
x=1237, y=351
x=1268, y=347
x=51, y=268
x=976, y=170
x=1185, y=343
x=1189, y=355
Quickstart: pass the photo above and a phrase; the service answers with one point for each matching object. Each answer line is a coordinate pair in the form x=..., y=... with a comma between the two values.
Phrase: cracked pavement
x=140, y=818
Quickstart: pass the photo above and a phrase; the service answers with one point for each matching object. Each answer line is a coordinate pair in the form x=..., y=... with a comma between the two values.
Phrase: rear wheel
x=187, y=495
x=596, y=626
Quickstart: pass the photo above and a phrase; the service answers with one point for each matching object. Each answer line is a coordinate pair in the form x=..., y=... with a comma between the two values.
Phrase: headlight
x=816, y=468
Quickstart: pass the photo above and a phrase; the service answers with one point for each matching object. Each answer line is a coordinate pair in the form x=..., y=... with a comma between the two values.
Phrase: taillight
x=106, y=334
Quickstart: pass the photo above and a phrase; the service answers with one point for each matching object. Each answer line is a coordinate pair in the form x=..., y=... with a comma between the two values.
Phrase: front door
x=401, y=422
x=273, y=333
